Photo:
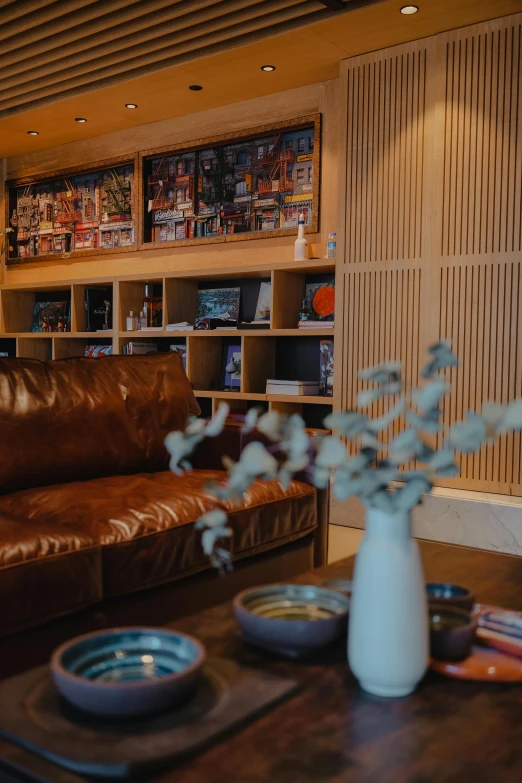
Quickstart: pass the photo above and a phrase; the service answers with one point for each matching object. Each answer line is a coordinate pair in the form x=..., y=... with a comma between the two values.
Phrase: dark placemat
x=34, y=717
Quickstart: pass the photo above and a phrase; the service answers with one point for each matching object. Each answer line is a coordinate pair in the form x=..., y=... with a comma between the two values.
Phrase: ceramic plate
x=482, y=664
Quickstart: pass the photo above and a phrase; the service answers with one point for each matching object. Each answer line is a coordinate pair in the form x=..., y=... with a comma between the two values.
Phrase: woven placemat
x=34, y=718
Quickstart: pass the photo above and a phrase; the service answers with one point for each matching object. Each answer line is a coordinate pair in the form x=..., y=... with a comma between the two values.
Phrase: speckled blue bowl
x=452, y=595
x=125, y=672
x=292, y=617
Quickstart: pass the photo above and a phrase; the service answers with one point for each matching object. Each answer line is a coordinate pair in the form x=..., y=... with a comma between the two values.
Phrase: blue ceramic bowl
x=127, y=672
x=452, y=595
x=292, y=618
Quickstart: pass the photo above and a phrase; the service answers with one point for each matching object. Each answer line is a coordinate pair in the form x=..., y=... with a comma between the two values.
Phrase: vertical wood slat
x=434, y=226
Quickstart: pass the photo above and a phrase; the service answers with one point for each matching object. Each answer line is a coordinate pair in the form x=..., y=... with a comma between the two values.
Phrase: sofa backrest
x=77, y=419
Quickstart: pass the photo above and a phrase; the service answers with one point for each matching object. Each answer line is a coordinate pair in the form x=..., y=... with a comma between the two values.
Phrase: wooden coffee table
x=332, y=732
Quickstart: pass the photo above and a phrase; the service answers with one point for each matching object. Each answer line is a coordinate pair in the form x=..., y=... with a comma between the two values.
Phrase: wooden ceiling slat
x=143, y=28
x=39, y=19
x=129, y=46
x=108, y=25
x=16, y=8
x=190, y=56
x=226, y=34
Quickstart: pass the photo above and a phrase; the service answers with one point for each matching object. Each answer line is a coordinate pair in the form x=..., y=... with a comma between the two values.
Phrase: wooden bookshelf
x=263, y=350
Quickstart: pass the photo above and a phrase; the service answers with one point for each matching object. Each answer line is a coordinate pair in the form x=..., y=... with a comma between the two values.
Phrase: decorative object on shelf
x=226, y=189
x=51, y=316
x=98, y=308
x=123, y=673
x=231, y=374
x=388, y=626
x=291, y=619
x=300, y=244
x=218, y=304
x=326, y=367
x=305, y=313
x=182, y=350
x=93, y=351
x=132, y=322
x=263, y=302
x=321, y=299
x=88, y=210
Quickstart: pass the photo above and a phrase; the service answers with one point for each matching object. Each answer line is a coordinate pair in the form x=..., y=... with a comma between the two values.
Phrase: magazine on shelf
x=93, y=351
x=316, y=324
x=135, y=348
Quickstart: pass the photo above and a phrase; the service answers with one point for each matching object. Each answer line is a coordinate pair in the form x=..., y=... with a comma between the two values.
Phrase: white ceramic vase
x=388, y=641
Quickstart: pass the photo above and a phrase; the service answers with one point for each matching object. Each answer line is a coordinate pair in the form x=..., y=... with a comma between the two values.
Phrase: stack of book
x=315, y=325
x=182, y=326
x=297, y=388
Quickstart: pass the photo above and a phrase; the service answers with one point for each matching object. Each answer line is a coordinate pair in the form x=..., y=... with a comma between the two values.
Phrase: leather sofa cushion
x=45, y=571
x=77, y=419
x=145, y=522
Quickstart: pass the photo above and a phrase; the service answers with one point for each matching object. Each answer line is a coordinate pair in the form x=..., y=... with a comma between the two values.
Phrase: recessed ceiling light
x=195, y=87
x=131, y=105
x=409, y=9
x=80, y=119
x=32, y=133
x=268, y=67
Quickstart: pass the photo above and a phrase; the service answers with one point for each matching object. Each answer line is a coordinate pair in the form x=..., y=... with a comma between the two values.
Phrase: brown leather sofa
x=89, y=511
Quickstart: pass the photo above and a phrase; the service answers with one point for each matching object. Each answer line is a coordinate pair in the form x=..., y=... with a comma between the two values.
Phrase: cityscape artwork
x=258, y=184
x=88, y=211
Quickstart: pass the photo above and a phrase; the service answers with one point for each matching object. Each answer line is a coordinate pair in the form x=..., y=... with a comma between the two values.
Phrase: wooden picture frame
x=53, y=176
x=147, y=206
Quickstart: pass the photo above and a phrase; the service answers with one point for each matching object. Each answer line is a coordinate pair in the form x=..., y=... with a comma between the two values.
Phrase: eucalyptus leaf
x=377, y=425
x=212, y=518
x=251, y=419
x=270, y=424
x=370, y=441
x=383, y=500
x=442, y=459
x=428, y=396
x=513, y=415
x=369, y=396
x=216, y=424
x=349, y=423
x=409, y=495
x=381, y=373
x=332, y=452
x=443, y=357
x=344, y=489
x=321, y=477
x=469, y=435
x=429, y=422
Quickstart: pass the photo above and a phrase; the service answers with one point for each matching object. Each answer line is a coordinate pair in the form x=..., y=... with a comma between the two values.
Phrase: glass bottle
x=147, y=309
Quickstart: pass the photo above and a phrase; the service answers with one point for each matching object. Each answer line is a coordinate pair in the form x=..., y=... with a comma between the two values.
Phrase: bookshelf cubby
x=282, y=351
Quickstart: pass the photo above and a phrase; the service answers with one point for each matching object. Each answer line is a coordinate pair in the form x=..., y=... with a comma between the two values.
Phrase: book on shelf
x=297, y=388
x=315, y=325
x=151, y=329
x=182, y=326
x=255, y=325
x=134, y=348
x=93, y=351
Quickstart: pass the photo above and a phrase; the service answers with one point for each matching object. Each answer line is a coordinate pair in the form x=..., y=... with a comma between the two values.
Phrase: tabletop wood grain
x=330, y=731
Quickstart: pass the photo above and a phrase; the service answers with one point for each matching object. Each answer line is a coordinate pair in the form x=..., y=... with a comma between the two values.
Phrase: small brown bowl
x=452, y=631
x=452, y=595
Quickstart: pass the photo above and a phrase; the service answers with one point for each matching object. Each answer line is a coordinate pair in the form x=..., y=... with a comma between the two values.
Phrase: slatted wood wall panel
x=430, y=229
x=386, y=102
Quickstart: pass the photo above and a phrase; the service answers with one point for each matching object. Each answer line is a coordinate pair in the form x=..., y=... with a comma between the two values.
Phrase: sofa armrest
x=209, y=454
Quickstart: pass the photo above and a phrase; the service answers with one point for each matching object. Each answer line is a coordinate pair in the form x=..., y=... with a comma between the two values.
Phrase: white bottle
x=132, y=322
x=142, y=321
x=301, y=245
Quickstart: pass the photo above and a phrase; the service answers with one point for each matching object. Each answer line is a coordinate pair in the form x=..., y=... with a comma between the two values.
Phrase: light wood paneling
x=231, y=73
x=431, y=222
